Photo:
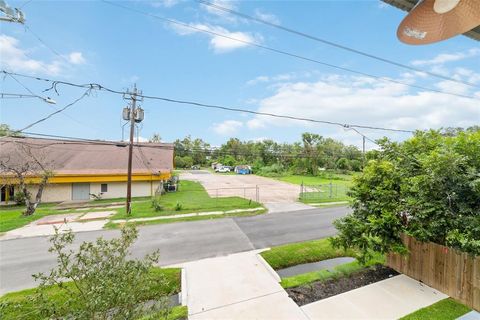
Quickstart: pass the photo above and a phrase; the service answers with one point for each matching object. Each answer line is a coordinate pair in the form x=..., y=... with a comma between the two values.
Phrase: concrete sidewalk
x=238, y=286
x=388, y=299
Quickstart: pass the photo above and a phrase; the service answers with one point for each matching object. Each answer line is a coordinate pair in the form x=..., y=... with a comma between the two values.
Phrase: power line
x=208, y=152
x=45, y=44
x=333, y=44
x=191, y=151
x=87, y=92
x=286, y=53
x=95, y=86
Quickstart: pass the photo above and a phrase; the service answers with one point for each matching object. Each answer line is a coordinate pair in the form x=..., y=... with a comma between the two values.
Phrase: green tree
x=427, y=187
x=343, y=164
x=311, y=143
x=6, y=130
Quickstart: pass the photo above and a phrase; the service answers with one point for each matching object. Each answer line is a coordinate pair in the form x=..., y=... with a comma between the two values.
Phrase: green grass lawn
x=340, y=271
x=19, y=305
x=114, y=225
x=322, y=178
x=11, y=217
x=326, y=187
x=447, y=309
x=312, y=251
x=192, y=197
x=303, y=252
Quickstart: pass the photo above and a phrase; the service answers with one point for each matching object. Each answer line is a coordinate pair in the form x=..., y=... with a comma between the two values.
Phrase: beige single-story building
x=83, y=170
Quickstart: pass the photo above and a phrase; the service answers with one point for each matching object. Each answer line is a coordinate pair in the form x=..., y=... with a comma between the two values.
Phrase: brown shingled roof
x=78, y=157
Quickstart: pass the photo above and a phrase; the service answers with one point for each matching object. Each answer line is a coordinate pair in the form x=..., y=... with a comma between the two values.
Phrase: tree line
x=269, y=157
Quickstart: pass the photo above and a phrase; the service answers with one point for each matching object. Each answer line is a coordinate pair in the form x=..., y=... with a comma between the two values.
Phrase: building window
x=103, y=187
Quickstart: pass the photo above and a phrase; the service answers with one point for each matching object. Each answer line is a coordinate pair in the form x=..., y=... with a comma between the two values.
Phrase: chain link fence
x=324, y=192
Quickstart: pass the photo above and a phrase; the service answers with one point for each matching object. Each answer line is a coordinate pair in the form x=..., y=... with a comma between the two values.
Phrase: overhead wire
x=331, y=43
x=286, y=53
x=95, y=86
x=87, y=92
x=206, y=151
x=192, y=151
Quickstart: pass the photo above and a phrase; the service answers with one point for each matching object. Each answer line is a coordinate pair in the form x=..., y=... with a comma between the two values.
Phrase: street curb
x=183, y=293
x=268, y=267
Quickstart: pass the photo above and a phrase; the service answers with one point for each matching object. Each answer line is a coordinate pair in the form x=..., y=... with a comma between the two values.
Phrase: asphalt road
x=178, y=242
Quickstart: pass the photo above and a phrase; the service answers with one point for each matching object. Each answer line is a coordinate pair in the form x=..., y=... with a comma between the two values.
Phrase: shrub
x=178, y=206
x=275, y=170
x=156, y=205
x=98, y=281
x=19, y=198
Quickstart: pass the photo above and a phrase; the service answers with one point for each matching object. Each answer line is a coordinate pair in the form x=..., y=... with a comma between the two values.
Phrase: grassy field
x=312, y=251
x=191, y=197
x=20, y=305
x=326, y=187
x=322, y=178
x=447, y=309
x=11, y=217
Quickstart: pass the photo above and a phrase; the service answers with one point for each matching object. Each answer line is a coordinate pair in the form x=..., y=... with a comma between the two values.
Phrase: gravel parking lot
x=276, y=195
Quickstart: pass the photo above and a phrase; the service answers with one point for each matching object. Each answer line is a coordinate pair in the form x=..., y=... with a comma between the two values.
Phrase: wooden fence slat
x=454, y=273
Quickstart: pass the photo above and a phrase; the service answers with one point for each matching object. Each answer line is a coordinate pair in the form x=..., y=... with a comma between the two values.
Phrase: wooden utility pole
x=132, y=117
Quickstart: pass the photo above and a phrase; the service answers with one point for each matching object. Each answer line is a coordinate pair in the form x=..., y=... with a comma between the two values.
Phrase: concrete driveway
x=276, y=195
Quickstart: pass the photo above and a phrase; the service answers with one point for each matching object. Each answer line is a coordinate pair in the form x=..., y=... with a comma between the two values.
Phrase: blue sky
x=114, y=47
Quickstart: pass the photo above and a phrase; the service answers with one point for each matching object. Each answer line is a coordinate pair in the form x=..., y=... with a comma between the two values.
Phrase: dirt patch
x=323, y=289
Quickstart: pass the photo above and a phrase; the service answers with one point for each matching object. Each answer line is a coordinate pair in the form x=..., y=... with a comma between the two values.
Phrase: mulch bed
x=323, y=289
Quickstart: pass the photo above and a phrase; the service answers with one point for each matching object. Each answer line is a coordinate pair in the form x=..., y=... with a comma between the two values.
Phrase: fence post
x=331, y=189
x=301, y=191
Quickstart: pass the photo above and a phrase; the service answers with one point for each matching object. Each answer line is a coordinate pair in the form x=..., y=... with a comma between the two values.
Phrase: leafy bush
x=178, y=206
x=19, y=198
x=156, y=205
x=427, y=187
x=98, y=281
x=275, y=170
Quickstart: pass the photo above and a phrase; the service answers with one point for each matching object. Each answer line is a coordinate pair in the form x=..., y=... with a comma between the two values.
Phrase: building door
x=80, y=191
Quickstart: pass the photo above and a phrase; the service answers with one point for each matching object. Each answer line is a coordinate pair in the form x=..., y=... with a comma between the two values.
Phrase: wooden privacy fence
x=454, y=273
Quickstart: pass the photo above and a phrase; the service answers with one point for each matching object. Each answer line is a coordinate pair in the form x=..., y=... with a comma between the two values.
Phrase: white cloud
x=227, y=127
x=165, y=3
x=142, y=139
x=231, y=5
x=14, y=58
x=283, y=77
x=269, y=17
x=218, y=43
x=443, y=58
x=258, y=80
x=76, y=58
x=358, y=100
